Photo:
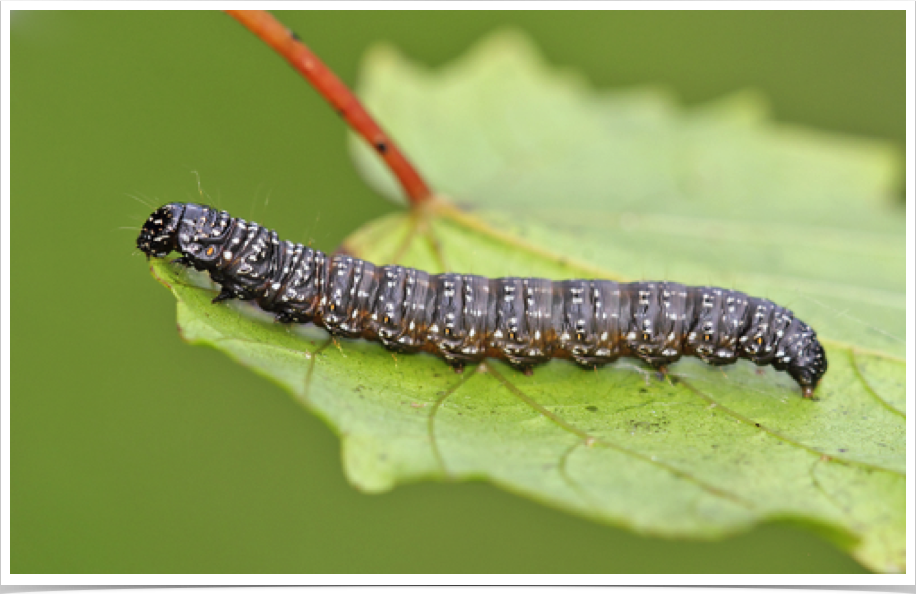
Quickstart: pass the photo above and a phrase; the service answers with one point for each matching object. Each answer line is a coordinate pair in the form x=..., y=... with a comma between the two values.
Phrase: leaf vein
x=431, y=422
x=597, y=440
x=751, y=423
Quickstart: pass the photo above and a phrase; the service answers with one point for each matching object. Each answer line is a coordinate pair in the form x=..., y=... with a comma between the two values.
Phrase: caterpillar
x=465, y=318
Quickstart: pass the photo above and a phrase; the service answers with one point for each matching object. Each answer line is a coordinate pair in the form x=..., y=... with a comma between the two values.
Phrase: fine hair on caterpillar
x=465, y=318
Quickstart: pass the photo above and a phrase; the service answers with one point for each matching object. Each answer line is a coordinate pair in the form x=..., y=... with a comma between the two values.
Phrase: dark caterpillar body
x=465, y=318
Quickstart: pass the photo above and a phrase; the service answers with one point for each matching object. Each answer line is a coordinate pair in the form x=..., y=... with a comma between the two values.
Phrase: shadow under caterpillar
x=466, y=318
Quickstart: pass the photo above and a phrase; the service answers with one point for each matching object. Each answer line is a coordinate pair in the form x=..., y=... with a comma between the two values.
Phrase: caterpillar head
x=159, y=234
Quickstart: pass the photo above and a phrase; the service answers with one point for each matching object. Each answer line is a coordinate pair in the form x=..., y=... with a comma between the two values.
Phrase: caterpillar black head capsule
x=159, y=234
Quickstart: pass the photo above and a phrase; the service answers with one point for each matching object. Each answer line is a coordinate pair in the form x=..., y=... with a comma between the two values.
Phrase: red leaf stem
x=288, y=45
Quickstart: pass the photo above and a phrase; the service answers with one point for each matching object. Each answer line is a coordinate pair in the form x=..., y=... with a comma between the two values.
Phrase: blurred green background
x=134, y=452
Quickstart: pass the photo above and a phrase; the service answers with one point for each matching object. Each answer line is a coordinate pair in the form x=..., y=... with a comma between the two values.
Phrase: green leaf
x=562, y=182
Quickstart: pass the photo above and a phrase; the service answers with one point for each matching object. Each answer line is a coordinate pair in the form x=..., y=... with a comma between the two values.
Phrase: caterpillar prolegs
x=465, y=318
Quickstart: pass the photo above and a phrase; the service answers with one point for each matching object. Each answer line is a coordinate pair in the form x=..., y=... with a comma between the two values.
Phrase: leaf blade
x=715, y=195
